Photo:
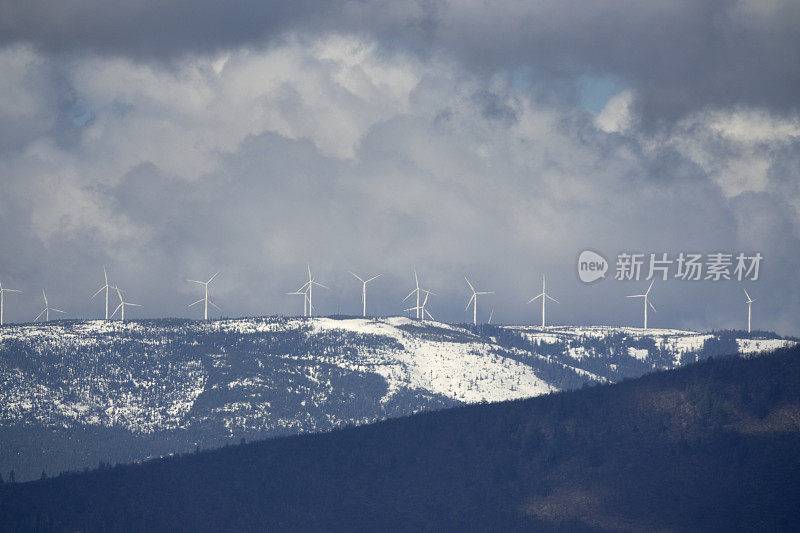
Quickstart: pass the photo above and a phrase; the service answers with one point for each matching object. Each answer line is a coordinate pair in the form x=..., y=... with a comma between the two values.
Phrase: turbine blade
x=320, y=285
x=652, y=306
x=195, y=303
x=535, y=298
x=105, y=274
x=556, y=301
x=195, y=281
x=373, y=277
x=486, y=292
x=429, y=314
x=358, y=278
x=748, y=296
x=650, y=287
x=470, y=301
x=410, y=294
x=98, y=292
x=470, y=284
x=39, y=315
x=115, y=310
x=45, y=298
x=57, y=310
x=212, y=277
x=215, y=305
x=636, y=296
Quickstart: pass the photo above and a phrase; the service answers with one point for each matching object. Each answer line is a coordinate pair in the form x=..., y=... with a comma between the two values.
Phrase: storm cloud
x=496, y=141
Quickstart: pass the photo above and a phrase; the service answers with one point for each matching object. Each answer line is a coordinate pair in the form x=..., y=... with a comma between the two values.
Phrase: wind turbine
x=646, y=301
x=474, y=300
x=106, y=288
x=46, y=310
x=417, y=292
x=2, y=293
x=420, y=309
x=306, y=289
x=205, y=299
x=122, y=304
x=544, y=296
x=364, y=292
x=749, y=303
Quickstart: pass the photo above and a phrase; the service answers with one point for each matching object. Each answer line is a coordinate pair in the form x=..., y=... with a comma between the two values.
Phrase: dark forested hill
x=711, y=446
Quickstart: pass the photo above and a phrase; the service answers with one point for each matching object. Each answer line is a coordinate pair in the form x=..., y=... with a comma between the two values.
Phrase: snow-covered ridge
x=677, y=341
x=297, y=374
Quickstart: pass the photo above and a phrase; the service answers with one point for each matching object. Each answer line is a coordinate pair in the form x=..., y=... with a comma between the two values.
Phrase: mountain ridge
x=76, y=387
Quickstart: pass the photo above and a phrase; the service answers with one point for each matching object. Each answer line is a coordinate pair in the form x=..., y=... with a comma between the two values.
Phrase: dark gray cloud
x=680, y=56
x=151, y=29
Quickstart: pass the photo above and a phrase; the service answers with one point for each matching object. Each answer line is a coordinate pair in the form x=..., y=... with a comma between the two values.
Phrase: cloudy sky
x=173, y=139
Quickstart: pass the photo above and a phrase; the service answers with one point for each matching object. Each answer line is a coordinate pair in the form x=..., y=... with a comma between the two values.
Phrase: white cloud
x=617, y=115
x=749, y=126
x=736, y=148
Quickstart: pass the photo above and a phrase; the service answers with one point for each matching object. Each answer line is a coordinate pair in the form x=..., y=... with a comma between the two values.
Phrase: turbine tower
x=305, y=300
x=106, y=288
x=646, y=301
x=2, y=294
x=205, y=299
x=46, y=310
x=544, y=296
x=420, y=309
x=474, y=300
x=749, y=303
x=307, y=290
x=417, y=292
x=122, y=304
x=364, y=292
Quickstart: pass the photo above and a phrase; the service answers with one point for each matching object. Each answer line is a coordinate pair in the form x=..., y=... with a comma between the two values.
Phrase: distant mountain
x=709, y=447
x=74, y=393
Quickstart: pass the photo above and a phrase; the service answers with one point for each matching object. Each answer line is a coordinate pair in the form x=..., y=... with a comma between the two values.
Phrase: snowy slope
x=115, y=374
x=193, y=382
x=465, y=371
